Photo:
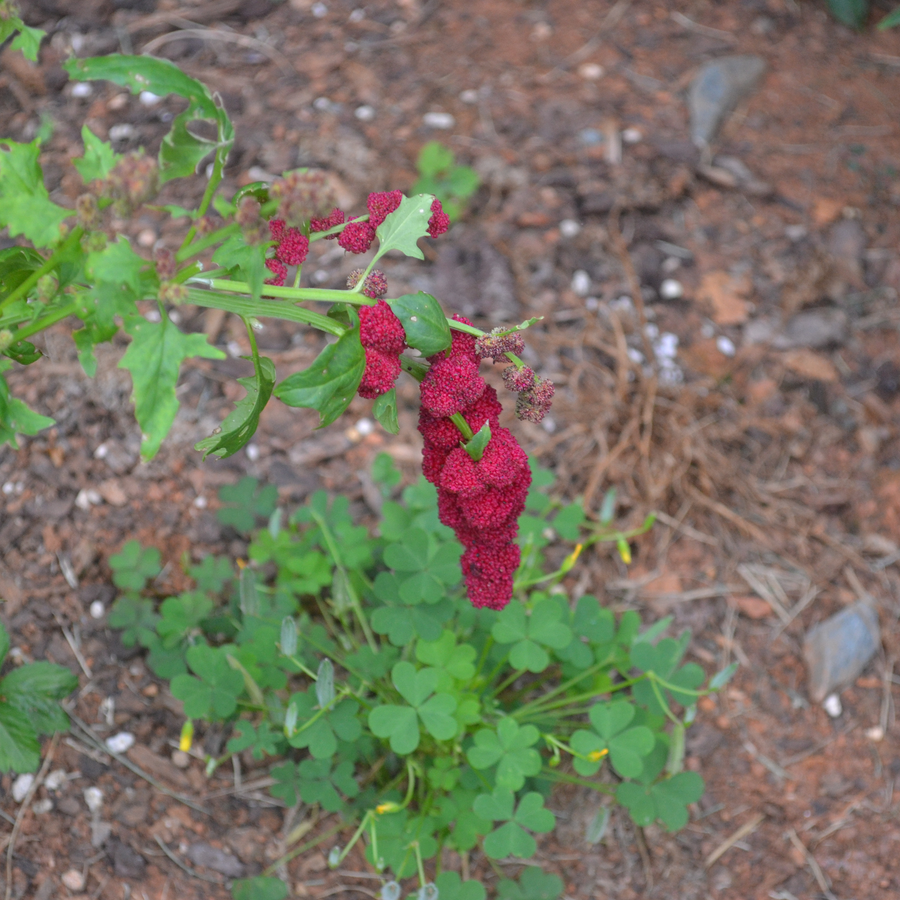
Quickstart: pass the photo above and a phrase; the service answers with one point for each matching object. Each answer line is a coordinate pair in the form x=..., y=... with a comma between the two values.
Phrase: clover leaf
x=533, y=884
x=401, y=723
x=455, y=662
x=663, y=660
x=319, y=729
x=452, y=887
x=511, y=838
x=544, y=627
x=396, y=833
x=213, y=693
x=626, y=746
x=427, y=566
x=511, y=749
x=666, y=800
x=133, y=566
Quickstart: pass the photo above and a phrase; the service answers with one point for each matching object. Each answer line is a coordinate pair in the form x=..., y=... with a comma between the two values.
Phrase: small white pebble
x=86, y=498
x=21, y=786
x=592, y=304
x=101, y=452
x=253, y=452
x=670, y=374
x=120, y=742
x=97, y=609
x=56, y=779
x=670, y=264
x=234, y=349
x=795, y=232
x=548, y=424
x=44, y=805
x=441, y=120
x=322, y=104
x=708, y=330
x=148, y=98
x=319, y=10
x=725, y=345
x=73, y=880
x=357, y=15
x=591, y=71
x=365, y=426
x=581, y=282
x=632, y=135
x=364, y=113
x=121, y=132
x=635, y=355
x=622, y=304
x=321, y=275
x=541, y=31
x=671, y=289
x=93, y=797
x=82, y=89
x=651, y=329
x=469, y=96
x=832, y=705
x=667, y=345
x=201, y=502
x=153, y=315
x=174, y=316
x=568, y=228
x=875, y=733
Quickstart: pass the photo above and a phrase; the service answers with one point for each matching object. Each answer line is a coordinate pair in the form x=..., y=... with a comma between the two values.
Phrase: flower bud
x=302, y=195
x=47, y=286
x=133, y=181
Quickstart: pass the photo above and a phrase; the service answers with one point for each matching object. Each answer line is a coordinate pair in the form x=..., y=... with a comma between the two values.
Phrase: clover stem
x=49, y=265
x=488, y=643
x=302, y=849
x=419, y=865
x=554, y=775
x=506, y=682
x=541, y=702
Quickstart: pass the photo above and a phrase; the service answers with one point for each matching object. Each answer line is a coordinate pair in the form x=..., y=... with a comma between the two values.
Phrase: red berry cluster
x=481, y=501
x=381, y=334
x=291, y=247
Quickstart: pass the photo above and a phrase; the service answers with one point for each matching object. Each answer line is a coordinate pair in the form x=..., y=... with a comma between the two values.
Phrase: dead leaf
x=723, y=295
x=808, y=364
x=705, y=358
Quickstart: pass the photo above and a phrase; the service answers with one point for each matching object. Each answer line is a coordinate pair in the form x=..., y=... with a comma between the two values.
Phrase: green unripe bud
x=47, y=286
x=6, y=339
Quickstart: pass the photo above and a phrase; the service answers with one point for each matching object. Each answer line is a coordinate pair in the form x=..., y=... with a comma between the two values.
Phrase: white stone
x=73, y=880
x=441, y=120
x=635, y=355
x=322, y=104
x=581, y=282
x=319, y=10
x=632, y=135
x=875, y=733
x=56, y=779
x=42, y=806
x=671, y=289
x=357, y=15
x=591, y=71
x=253, y=452
x=93, y=797
x=365, y=426
x=121, y=132
x=97, y=609
x=725, y=345
x=82, y=89
x=120, y=742
x=201, y=502
x=568, y=228
x=234, y=349
x=86, y=498
x=148, y=98
x=469, y=96
x=364, y=113
x=832, y=705
x=21, y=786
x=667, y=345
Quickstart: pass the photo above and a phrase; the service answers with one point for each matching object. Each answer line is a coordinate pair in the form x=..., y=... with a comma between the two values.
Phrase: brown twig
x=815, y=868
x=26, y=805
x=729, y=842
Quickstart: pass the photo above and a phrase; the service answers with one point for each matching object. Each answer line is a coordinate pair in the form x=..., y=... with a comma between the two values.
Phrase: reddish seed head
x=280, y=271
x=451, y=385
x=381, y=205
x=380, y=329
x=439, y=221
x=381, y=372
x=335, y=217
x=494, y=346
x=375, y=285
x=357, y=237
x=517, y=379
x=276, y=229
x=534, y=404
x=460, y=475
x=293, y=247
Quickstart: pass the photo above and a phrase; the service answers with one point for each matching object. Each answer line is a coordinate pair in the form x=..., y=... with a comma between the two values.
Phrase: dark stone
x=127, y=863
x=202, y=854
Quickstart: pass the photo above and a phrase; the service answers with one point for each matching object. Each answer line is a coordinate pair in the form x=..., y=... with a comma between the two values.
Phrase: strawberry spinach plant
x=352, y=661
x=389, y=677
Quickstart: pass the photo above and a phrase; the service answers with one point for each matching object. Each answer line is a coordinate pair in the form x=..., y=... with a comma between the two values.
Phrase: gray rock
x=127, y=863
x=718, y=87
x=202, y=854
x=815, y=329
x=847, y=244
x=839, y=648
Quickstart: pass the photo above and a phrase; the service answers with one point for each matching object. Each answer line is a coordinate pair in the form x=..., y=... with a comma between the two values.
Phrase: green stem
x=551, y=775
x=57, y=316
x=506, y=683
x=244, y=306
x=204, y=243
x=49, y=265
x=302, y=849
x=462, y=425
x=542, y=701
x=214, y=179
x=297, y=294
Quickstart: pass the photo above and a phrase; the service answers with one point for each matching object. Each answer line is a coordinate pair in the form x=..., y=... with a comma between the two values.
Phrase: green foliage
x=452, y=184
x=423, y=321
x=533, y=884
x=29, y=707
x=399, y=705
x=855, y=13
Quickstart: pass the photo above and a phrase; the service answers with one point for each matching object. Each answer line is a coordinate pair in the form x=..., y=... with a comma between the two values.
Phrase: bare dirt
x=769, y=443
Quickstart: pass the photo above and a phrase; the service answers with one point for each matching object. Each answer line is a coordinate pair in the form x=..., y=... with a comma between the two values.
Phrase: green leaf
x=133, y=566
x=15, y=416
x=99, y=157
x=4, y=641
x=36, y=690
x=510, y=840
x=28, y=40
x=243, y=420
x=423, y=321
x=627, y=746
x=666, y=800
x=117, y=265
x=850, y=12
x=330, y=383
x=20, y=750
x=451, y=887
x=25, y=205
x=444, y=654
x=181, y=151
x=181, y=615
x=246, y=502
x=404, y=226
x=385, y=411
x=437, y=716
x=318, y=783
x=890, y=20
x=398, y=723
x=259, y=888
x=17, y=264
x=475, y=447
x=720, y=679
x=213, y=695
x=533, y=884
x=135, y=616
x=434, y=158
x=511, y=748
x=153, y=358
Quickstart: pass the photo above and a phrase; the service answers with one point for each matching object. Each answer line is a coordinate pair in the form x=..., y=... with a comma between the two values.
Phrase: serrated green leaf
x=330, y=383
x=116, y=265
x=404, y=226
x=99, y=157
x=28, y=40
x=20, y=750
x=36, y=690
x=423, y=321
x=242, y=422
x=15, y=416
x=154, y=358
x=25, y=205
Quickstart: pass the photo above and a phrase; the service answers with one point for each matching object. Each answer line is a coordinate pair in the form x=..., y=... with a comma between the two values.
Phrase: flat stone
x=203, y=854
x=715, y=91
x=127, y=863
x=815, y=329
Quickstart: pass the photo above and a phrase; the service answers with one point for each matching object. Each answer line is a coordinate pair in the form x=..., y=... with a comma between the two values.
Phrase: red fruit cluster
x=291, y=247
x=534, y=403
x=381, y=334
x=480, y=500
